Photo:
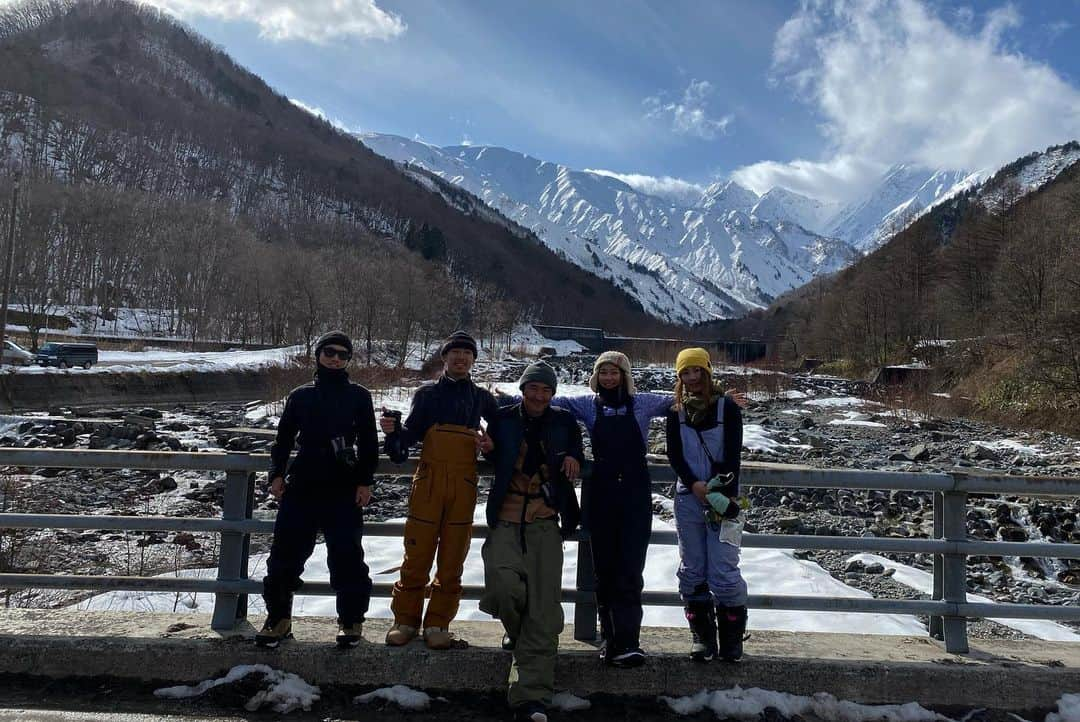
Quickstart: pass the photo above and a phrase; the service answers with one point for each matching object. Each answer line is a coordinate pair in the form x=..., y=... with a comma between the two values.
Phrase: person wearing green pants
x=531, y=510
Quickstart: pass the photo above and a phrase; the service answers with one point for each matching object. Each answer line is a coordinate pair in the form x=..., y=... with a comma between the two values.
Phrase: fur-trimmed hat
x=619, y=361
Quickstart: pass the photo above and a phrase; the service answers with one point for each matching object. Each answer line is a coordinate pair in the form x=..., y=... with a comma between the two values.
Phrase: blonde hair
x=708, y=393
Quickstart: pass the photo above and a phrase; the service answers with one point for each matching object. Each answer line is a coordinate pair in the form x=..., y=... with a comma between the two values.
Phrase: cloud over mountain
x=316, y=21
x=894, y=82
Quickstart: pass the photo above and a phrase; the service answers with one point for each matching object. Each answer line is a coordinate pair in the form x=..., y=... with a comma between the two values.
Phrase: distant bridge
x=596, y=339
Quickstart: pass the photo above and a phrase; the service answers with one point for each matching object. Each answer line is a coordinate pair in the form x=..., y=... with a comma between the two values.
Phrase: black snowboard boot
x=731, y=629
x=702, y=619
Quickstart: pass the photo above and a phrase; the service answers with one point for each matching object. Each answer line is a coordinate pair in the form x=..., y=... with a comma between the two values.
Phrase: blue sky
x=819, y=96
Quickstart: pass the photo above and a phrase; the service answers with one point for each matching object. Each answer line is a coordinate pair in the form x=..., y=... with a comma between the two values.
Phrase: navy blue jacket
x=562, y=438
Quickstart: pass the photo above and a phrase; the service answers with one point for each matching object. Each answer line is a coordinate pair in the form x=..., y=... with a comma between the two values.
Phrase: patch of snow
x=854, y=418
x=1068, y=709
x=837, y=401
x=924, y=582
x=750, y=704
x=756, y=438
x=399, y=694
x=286, y=692
x=1014, y=446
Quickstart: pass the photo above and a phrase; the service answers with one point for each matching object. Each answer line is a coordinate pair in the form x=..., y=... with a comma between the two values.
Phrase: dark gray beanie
x=459, y=339
x=333, y=337
x=540, y=371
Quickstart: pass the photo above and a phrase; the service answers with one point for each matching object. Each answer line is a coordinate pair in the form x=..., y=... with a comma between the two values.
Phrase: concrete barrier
x=36, y=392
x=181, y=648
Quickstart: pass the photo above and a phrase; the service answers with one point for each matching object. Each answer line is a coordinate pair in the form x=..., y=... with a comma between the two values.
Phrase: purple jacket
x=647, y=406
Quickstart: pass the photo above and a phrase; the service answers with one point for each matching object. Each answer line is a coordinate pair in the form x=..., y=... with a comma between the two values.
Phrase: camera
x=344, y=452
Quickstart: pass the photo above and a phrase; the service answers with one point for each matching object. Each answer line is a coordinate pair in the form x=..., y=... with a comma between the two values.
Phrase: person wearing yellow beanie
x=704, y=443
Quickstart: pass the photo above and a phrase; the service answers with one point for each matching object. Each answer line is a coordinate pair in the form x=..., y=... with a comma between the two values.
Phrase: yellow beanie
x=690, y=357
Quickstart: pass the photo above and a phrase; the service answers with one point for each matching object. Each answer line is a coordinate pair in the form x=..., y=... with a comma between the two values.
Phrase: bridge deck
x=1007, y=675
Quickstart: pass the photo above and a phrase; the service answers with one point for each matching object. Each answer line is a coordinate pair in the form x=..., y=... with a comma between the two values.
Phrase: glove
x=720, y=494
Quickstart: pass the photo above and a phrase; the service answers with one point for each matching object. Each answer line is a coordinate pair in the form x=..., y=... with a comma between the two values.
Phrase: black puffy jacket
x=331, y=406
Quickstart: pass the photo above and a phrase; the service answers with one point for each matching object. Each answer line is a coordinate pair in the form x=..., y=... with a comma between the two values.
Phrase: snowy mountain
x=685, y=264
x=903, y=194
x=780, y=205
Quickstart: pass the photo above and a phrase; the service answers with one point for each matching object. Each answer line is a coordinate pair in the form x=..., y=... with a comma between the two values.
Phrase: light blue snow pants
x=708, y=567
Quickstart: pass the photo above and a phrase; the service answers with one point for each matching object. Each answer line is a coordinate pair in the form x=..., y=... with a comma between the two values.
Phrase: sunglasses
x=340, y=353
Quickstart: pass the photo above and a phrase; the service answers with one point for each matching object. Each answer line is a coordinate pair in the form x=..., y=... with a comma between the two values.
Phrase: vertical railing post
x=585, y=607
x=230, y=608
x=937, y=624
x=954, y=568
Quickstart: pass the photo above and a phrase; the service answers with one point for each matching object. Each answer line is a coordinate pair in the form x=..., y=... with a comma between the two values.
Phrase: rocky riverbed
x=821, y=422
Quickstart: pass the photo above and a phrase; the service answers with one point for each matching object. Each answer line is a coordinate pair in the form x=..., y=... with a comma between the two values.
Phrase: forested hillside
x=987, y=285
x=157, y=173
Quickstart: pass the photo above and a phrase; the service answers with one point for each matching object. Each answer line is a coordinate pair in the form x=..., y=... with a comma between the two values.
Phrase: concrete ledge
x=1005, y=675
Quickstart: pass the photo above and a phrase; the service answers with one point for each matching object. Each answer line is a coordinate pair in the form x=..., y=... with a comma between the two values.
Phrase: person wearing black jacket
x=531, y=509
x=704, y=443
x=445, y=415
x=331, y=423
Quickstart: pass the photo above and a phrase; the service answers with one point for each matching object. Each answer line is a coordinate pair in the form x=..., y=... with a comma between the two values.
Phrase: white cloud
x=892, y=82
x=836, y=180
x=674, y=189
x=316, y=21
x=320, y=113
x=688, y=115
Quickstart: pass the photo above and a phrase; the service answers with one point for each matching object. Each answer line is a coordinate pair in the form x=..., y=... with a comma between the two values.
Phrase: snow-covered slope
x=1028, y=173
x=780, y=205
x=685, y=264
x=904, y=193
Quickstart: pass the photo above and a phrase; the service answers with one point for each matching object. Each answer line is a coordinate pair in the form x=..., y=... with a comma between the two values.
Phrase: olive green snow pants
x=522, y=589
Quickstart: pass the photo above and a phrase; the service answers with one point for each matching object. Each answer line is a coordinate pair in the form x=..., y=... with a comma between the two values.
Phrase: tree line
x=1005, y=266
x=211, y=276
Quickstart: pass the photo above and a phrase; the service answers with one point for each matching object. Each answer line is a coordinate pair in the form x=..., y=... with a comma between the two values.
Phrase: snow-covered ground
x=169, y=361
x=924, y=582
x=767, y=571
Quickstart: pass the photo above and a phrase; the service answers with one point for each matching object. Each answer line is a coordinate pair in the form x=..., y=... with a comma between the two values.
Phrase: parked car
x=16, y=355
x=66, y=355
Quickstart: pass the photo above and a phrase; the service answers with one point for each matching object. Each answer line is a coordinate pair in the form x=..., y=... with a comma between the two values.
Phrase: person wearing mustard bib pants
x=445, y=416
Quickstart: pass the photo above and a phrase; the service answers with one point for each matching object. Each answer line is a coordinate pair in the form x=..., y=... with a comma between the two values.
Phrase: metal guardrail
x=948, y=607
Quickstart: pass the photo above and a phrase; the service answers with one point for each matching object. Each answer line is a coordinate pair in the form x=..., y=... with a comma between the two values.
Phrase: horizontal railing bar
x=753, y=473
x=479, y=531
x=133, y=523
x=145, y=460
x=649, y=598
x=983, y=610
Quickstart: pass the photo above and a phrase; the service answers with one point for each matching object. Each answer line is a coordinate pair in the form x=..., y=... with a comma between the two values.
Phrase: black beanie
x=333, y=337
x=459, y=339
x=540, y=371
